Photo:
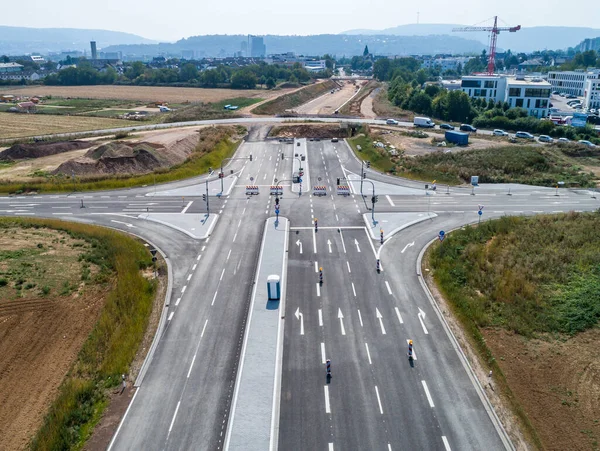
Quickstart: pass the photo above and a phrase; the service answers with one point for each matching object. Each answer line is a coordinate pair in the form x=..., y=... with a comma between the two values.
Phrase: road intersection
x=358, y=317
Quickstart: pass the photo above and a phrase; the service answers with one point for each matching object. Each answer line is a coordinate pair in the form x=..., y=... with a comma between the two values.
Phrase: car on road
x=545, y=139
x=524, y=135
x=571, y=96
x=564, y=140
x=499, y=132
x=334, y=140
x=585, y=142
x=391, y=122
x=446, y=127
x=467, y=128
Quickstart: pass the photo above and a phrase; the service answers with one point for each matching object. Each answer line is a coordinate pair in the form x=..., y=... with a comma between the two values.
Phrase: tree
x=458, y=106
x=420, y=103
x=459, y=69
x=381, y=69
x=421, y=76
x=473, y=65
x=270, y=83
x=5, y=59
x=432, y=90
x=188, y=72
x=135, y=70
x=210, y=78
x=243, y=79
x=366, y=50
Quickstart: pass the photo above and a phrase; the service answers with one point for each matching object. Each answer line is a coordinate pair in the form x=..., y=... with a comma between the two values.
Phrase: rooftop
x=529, y=82
x=6, y=65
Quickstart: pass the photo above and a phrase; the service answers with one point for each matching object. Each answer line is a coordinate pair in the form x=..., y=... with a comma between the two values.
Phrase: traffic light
x=368, y=164
x=204, y=197
x=277, y=201
x=338, y=181
x=374, y=199
x=220, y=175
x=364, y=175
x=250, y=157
x=282, y=156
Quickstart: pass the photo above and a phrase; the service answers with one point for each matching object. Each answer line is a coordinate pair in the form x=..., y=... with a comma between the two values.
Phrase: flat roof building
x=572, y=81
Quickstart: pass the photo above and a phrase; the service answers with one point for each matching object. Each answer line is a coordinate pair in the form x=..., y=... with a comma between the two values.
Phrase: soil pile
x=37, y=150
x=309, y=131
x=118, y=158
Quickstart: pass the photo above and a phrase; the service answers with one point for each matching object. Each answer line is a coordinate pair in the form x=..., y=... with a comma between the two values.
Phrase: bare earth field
x=328, y=102
x=143, y=93
x=24, y=125
x=40, y=334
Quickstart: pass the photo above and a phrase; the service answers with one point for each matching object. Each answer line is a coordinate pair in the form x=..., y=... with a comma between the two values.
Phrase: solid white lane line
x=378, y=400
x=203, y=247
x=316, y=267
x=187, y=206
x=327, y=407
x=398, y=315
x=244, y=211
x=239, y=223
x=323, y=360
x=330, y=447
x=318, y=290
x=170, y=316
x=390, y=201
x=174, y=415
x=388, y=287
x=446, y=444
x=320, y=317
x=229, y=254
x=177, y=302
x=221, y=278
x=314, y=241
x=342, y=238
x=348, y=263
x=353, y=290
x=234, y=236
x=368, y=354
x=214, y=297
x=427, y=394
x=191, y=365
x=189, y=277
x=360, y=318
x=183, y=289
x=389, y=447
x=194, y=267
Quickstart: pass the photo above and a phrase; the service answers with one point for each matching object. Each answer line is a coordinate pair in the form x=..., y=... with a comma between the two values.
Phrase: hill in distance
x=527, y=39
x=22, y=40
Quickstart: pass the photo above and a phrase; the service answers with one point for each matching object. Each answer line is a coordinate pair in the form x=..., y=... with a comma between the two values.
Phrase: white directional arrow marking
x=421, y=316
x=341, y=317
x=300, y=316
x=299, y=244
x=407, y=246
x=125, y=223
x=379, y=317
x=356, y=242
x=329, y=244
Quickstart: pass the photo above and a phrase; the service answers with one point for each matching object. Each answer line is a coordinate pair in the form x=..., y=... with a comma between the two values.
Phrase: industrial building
x=533, y=94
x=572, y=82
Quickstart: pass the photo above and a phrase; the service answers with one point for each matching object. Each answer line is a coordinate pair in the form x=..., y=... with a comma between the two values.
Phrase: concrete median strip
x=254, y=417
x=197, y=226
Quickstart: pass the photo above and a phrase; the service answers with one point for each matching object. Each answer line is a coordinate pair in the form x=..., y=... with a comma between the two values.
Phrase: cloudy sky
x=174, y=19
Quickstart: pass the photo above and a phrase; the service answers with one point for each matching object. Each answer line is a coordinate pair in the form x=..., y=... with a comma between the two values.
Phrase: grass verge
x=363, y=147
x=114, y=341
x=294, y=99
x=216, y=110
x=209, y=153
x=382, y=107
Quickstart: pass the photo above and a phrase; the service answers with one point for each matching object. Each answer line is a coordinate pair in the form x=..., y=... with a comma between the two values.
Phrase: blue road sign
x=442, y=235
x=277, y=211
x=480, y=212
x=299, y=179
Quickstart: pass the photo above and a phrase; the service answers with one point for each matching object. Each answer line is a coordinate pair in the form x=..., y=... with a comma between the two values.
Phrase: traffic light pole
x=207, y=206
x=221, y=175
x=373, y=197
x=362, y=173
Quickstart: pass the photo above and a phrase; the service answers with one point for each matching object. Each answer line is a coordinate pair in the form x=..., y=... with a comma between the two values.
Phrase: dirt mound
x=118, y=158
x=309, y=131
x=37, y=150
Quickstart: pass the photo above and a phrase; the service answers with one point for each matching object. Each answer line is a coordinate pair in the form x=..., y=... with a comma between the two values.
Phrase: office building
x=573, y=81
x=94, y=51
x=257, y=46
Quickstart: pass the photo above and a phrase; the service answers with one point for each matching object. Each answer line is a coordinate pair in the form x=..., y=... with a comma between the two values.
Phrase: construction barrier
x=319, y=191
x=251, y=190
x=276, y=190
x=343, y=190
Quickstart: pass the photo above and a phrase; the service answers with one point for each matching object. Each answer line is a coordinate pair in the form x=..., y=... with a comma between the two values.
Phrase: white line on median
x=177, y=302
x=171, y=316
x=388, y=287
x=378, y=400
x=353, y=290
x=191, y=365
x=360, y=318
x=390, y=201
x=194, y=267
x=174, y=415
x=189, y=277
x=314, y=241
x=318, y=290
x=368, y=354
x=214, y=297
x=398, y=315
x=323, y=360
x=187, y=206
x=427, y=394
x=229, y=254
x=327, y=407
x=446, y=444
x=320, y=317
x=183, y=289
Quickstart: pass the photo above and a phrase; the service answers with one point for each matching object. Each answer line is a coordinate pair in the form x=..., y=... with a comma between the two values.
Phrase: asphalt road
x=358, y=318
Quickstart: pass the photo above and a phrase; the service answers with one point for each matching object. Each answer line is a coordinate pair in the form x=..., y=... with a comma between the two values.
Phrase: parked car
x=564, y=140
x=562, y=94
x=555, y=93
x=499, y=132
x=391, y=122
x=524, y=135
x=587, y=143
x=545, y=139
x=446, y=127
x=571, y=96
x=572, y=102
x=467, y=128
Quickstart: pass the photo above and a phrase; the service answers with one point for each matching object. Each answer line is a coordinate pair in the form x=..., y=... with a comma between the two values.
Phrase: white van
x=423, y=122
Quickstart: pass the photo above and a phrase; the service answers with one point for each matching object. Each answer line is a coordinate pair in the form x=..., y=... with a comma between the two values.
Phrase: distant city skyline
x=167, y=21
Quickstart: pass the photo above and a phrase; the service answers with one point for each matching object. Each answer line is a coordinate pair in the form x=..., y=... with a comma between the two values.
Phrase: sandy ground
x=39, y=341
x=366, y=107
x=143, y=93
x=22, y=171
x=328, y=103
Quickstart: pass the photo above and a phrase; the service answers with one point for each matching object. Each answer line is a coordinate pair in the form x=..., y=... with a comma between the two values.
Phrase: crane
x=495, y=30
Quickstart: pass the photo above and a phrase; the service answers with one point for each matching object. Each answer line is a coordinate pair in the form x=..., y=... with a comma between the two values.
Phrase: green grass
x=238, y=101
x=79, y=105
x=509, y=164
x=294, y=99
x=197, y=164
x=202, y=111
x=109, y=113
x=114, y=341
x=380, y=158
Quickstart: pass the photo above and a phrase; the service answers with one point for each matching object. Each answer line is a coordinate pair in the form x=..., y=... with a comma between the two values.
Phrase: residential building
x=38, y=59
x=533, y=94
x=573, y=81
x=444, y=64
x=592, y=94
x=10, y=68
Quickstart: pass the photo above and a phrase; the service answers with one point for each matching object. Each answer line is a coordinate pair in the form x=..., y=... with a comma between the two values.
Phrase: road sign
x=251, y=179
x=319, y=179
x=475, y=180
x=480, y=212
x=442, y=235
x=300, y=180
x=153, y=252
x=277, y=211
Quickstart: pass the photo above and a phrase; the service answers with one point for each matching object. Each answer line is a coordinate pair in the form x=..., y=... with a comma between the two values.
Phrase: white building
x=592, y=94
x=571, y=82
x=533, y=94
x=444, y=64
x=315, y=66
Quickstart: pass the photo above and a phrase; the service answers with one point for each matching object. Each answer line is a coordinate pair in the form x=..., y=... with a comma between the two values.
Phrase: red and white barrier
x=319, y=190
x=251, y=190
x=276, y=190
x=343, y=190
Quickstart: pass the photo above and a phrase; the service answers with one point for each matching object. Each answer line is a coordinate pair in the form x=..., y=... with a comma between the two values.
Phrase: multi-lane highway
x=358, y=318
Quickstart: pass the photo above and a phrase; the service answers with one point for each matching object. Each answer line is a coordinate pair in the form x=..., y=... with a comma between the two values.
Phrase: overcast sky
x=174, y=19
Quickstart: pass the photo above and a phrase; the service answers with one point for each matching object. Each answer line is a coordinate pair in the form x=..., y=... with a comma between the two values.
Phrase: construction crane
x=495, y=31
